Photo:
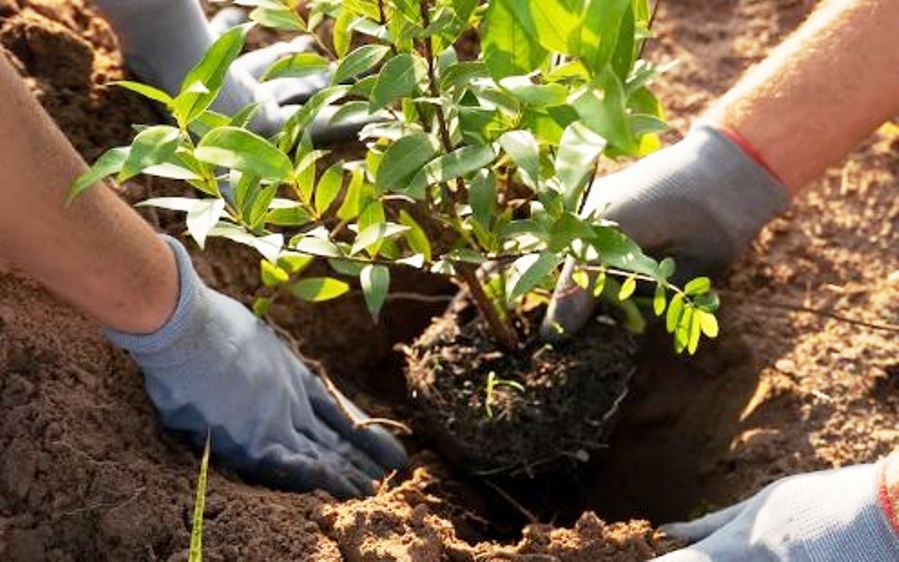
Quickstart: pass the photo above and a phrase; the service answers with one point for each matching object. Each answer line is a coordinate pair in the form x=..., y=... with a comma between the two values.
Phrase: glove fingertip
x=227, y=18
x=568, y=312
x=386, y=449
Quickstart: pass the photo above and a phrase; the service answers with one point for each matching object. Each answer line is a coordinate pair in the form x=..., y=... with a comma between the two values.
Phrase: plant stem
x=432, y=78
x=501, y=329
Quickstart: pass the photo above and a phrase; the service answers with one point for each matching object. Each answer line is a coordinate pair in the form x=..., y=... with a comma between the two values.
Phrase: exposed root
x=332, y=389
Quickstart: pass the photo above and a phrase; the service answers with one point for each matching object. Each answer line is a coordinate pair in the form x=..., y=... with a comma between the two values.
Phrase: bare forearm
x=821, y=92
x=96, y=253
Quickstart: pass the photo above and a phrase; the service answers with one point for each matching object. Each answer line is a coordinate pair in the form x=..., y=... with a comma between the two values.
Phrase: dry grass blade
x=196, y=532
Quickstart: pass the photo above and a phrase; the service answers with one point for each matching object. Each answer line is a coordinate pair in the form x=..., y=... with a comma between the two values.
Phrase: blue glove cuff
x=190, y=286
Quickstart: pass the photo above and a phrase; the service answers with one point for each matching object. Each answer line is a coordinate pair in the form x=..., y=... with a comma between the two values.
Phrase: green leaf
x=361, y=60
x=282, y=18
x=342, y=35
x=319, y=289
x=297, y=66
x=602, y=108
x=365, y=8
x=183, y=204
x=210, y=73
x=347, y=267
x=154, y=145
x=695, y=331
x=538, y=95
x=300, y=121
x=682, y=332
x=173, y=171
x=459, y=76
x=666, y=268
x=625, y=51
x=207, y=121
x=328, y=188
x=257, y=212
x=450, y=166
x=145, y=90
x=599, y=32
x=109, y=163
x=195, y=553
x=522, y=147
x=599, y=285
x=675, y=310
x=579, y=150
x=482, y=197
x=349, y=111
x=698, y=286
x=556, y=23
x=285, y=212
x=376, y=233
x=707, y=301
x=372, y=214
x=405, y=158
x=269, y=246
x=261, y=307
x=509, y=43
x=239, y=149
x=416, y=236
x=315, y=246
x=272, y=275
x=708, y=323
x=627, y=288
x=355, y=192
x=375, y=281
x=294, y=263
x=396, y=79
x=617, y=250
x=203, y=217
x=581, y=278
x=659, y=300
x=568, y=228
x=530, y=271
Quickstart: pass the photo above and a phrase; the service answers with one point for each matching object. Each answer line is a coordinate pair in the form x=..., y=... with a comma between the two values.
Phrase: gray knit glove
x=215, y=367
x=829, y=516
x=163, y=39
x=701, y=201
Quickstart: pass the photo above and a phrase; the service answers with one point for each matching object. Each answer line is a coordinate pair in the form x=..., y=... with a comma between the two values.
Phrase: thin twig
x=322, y=374
x=882, y=326
x=419, y=297
x=506, y=496
x=652, y=20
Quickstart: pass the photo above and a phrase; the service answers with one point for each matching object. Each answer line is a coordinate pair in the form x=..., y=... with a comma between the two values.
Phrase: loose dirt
x=86, y=473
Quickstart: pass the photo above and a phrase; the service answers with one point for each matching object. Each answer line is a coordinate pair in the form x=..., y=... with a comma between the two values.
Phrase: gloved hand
x=215, y=366
x=700, y=201
x=163, y=39
x=829, y=516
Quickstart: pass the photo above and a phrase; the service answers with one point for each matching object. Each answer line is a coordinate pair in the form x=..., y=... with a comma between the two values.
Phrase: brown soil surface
x=559, y=415
x=86, y=473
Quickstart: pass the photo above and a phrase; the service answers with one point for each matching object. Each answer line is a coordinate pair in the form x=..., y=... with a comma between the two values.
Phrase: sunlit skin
x=97, y=253
x=821, y=92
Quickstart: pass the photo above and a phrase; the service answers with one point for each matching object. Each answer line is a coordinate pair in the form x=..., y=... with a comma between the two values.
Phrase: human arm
x=704, y=199
x=209, y=364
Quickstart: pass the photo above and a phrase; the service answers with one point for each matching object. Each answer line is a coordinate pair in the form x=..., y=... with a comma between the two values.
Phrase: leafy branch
x=466, y=162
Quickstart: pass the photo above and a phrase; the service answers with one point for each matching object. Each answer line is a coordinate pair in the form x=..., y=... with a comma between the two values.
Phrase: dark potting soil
x=554, y=405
